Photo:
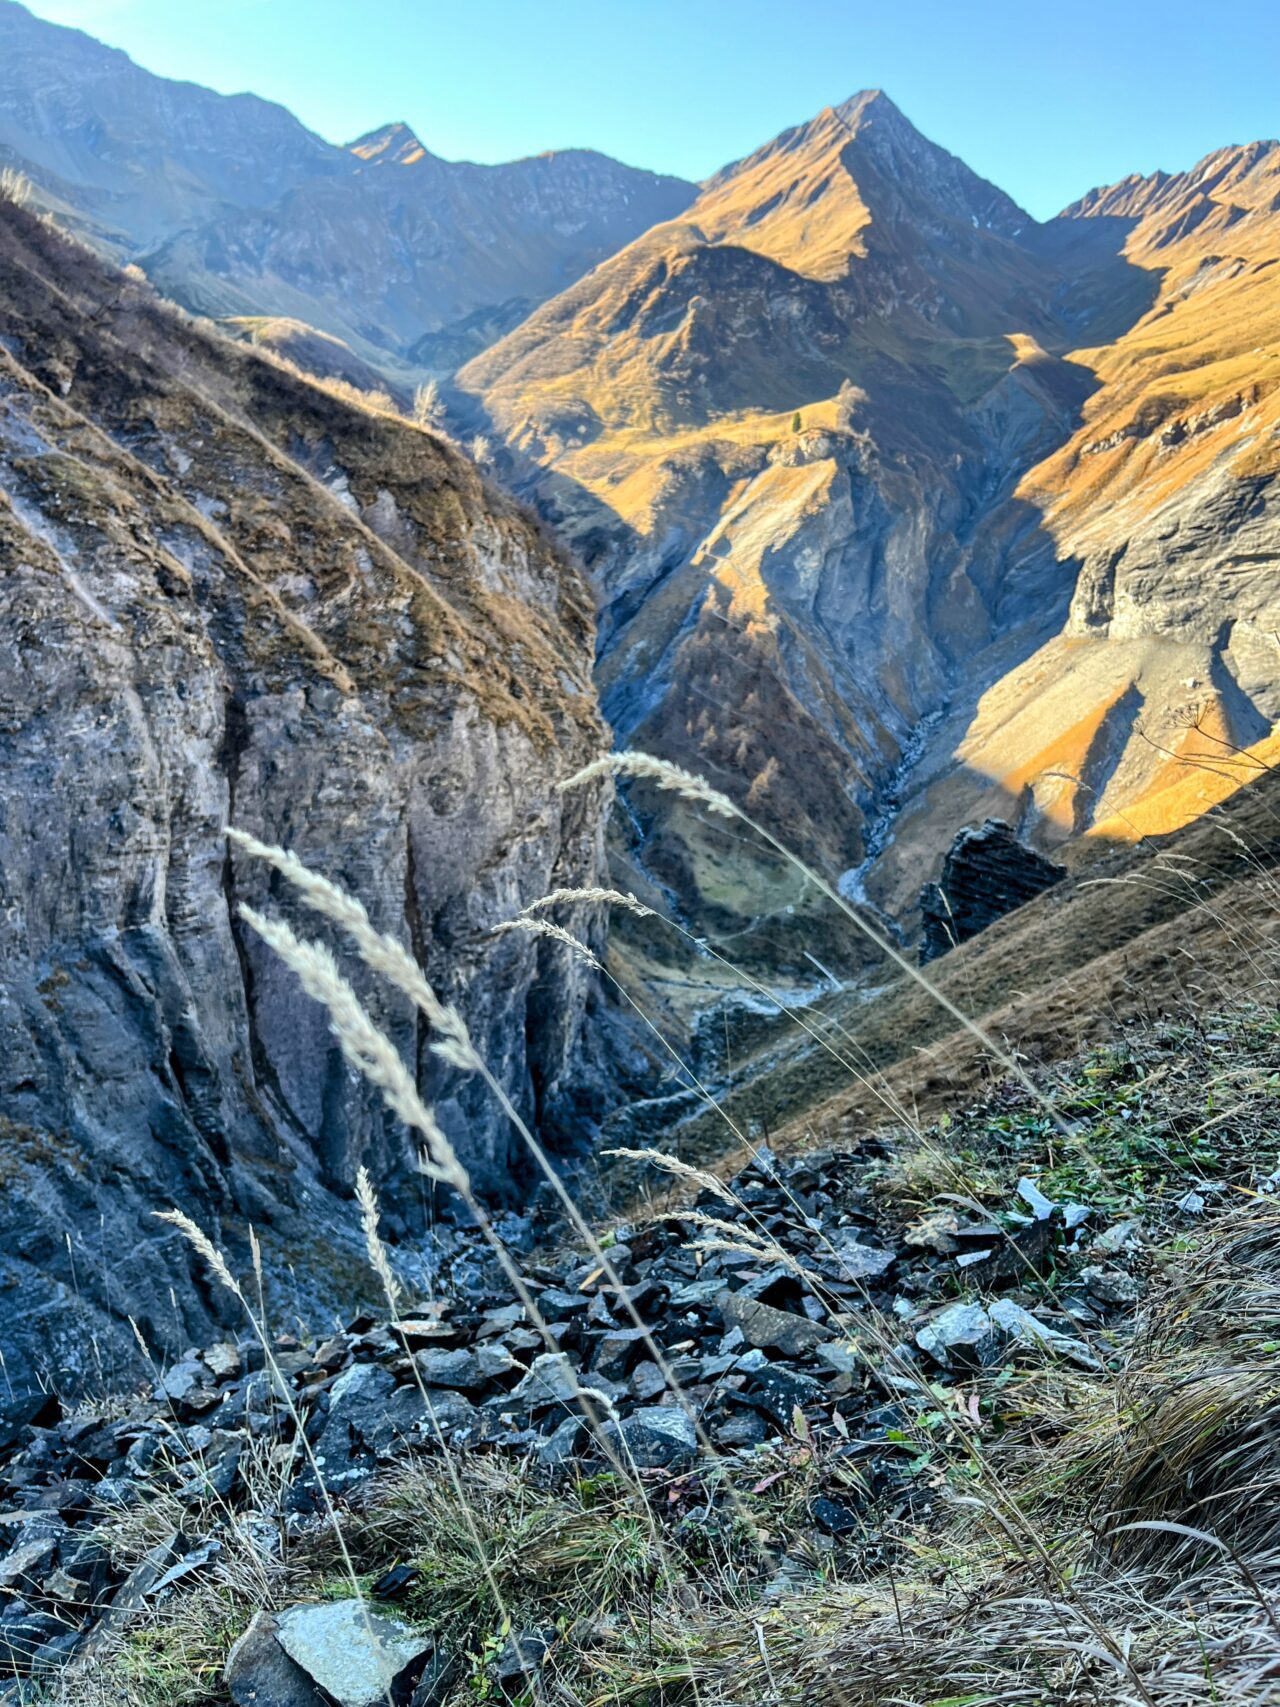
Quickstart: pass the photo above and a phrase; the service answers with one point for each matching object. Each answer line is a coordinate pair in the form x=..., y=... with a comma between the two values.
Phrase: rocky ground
x=791, y=1382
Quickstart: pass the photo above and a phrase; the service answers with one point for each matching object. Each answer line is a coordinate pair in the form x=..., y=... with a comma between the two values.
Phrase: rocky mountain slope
x=227, y=596
x=131, y=157
x=235, y=208
x=450, y=255
x=854, y=439
x=735, y=1451
x=1160, y=690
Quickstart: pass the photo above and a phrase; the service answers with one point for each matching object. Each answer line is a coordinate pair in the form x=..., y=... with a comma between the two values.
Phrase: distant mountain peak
x=395, y=144
x=857, y=173
x=867, y=104
x=1242, y=177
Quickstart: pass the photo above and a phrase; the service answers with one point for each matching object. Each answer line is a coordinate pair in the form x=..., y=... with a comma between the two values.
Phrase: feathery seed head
x=380, y=952
x=731, y=1230
x=610, y=897
x=378, y=1258
x=197, y=1237
x=364, y=1046
x=659, y=771
x=682, y=1170
x=543, y=927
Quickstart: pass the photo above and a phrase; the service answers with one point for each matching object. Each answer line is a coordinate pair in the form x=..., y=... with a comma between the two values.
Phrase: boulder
x=259, y=1673
x=356, y=1655
x=987, y=872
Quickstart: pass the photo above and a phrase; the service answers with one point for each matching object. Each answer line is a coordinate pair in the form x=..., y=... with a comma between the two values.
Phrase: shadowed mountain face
x=449, y=255
x=236, y=209
x=227, y=597
x=898, y=502
x=131, y=157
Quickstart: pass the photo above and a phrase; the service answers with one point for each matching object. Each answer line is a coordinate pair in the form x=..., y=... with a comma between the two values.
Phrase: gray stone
x=371, y=1419
x=224, y=1360
x=647, y=1381
x=182, y=1380
x=1020, y=1324
x=521, y=1658
x=27, y=1563
x=356, y=1655
x=616, y=1352
x=554, y=1378
x=856, y=1261
x=1123, y=1236
x=744, y=1428
x=1030, y=1193
x=987, y=872
x=696, y=1292
x=842, y=1357
x=259, y=1673
x=466, y=1368
x=1111, y=1285
x=763, y=1326
x=655, y=1437
x=563, y=1445
x=780, y=1392
x=962, y=1333
x=557, y=1305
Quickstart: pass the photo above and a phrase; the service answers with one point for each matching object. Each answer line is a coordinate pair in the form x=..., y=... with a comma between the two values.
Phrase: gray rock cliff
x=225, y=596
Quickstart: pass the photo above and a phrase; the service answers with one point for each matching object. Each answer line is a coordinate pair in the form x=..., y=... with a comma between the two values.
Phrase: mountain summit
x=889, y=490
x=391, y=144
x=809, y=197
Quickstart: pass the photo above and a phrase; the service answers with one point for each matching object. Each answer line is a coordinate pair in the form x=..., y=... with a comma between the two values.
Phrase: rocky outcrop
x=228, y=597
x=986, y=874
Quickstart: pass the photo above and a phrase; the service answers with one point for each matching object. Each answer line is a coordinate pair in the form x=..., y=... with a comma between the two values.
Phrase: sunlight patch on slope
x=769, y=512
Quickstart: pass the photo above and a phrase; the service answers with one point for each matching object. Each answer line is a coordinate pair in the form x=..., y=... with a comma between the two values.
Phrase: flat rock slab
x=260, y=1674
x=763, y=1326
x=356, y=1655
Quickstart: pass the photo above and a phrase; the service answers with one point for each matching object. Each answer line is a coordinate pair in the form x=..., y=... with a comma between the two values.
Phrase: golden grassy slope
x=1201, y=369
x=1188, y=407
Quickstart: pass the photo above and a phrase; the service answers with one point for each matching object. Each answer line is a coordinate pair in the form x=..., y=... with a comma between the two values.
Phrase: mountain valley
x=899, y=512
x=890, y=492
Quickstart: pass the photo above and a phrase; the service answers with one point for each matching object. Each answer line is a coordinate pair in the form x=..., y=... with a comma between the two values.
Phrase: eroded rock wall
x=226, y=596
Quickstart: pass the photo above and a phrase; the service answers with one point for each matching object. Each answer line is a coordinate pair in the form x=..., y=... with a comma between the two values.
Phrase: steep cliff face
x=226, y=597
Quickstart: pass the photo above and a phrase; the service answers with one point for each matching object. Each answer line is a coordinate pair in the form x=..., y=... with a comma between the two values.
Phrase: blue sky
x=1046, y=99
